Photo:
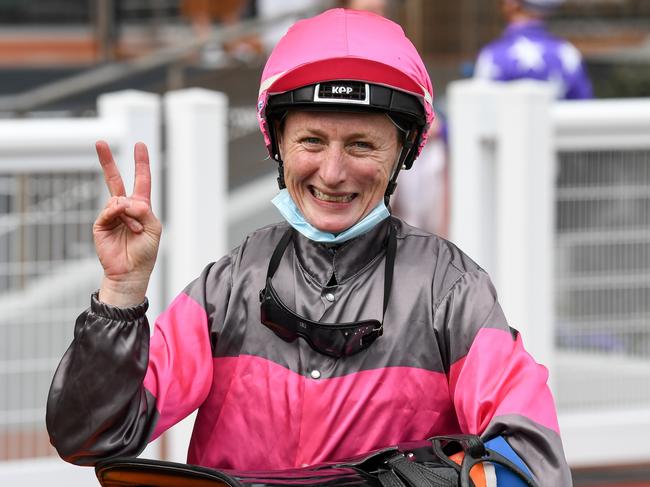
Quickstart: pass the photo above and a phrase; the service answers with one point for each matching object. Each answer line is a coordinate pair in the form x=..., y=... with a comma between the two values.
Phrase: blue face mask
x=295, y=218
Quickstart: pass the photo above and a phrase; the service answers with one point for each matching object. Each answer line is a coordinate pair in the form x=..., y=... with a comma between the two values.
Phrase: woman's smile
x=333, y=198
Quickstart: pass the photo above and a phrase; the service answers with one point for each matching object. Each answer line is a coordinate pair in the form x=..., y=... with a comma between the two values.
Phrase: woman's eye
x=361, y=145
x=311, y=141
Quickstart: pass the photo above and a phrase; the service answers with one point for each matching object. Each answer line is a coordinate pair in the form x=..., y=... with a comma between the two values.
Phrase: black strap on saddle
x=418, y=464
x=418, y=468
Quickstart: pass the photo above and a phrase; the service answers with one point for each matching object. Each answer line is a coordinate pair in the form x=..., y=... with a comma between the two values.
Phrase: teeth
x=328, y=197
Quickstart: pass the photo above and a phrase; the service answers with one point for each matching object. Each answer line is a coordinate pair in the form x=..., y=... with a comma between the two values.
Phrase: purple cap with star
x=529, y=51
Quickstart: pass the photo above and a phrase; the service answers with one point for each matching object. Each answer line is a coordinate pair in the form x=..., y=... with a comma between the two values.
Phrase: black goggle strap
x=391, y=250
x=278, y=252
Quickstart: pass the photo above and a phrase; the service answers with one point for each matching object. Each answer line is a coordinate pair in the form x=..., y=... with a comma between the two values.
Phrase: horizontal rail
x=28, y=365
x=590, y=193
x=602, y=124
x=22, y=416
x=603, y=236
x=18, y=137
x=604, y=280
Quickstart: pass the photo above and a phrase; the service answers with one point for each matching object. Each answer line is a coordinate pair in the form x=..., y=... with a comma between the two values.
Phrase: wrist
x=123, y=294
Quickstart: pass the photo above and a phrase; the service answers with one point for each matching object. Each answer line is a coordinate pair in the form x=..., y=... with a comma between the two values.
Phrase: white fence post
x=196, y=230
x=502, y=169
x=472, y=111
x=525, y=208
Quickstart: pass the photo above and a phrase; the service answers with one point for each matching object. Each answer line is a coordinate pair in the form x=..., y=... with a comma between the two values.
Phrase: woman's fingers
x=111, y=173
x=134, y=225
x=117, y=211
x=135, y=211
x=141, y=211
x=142, y=183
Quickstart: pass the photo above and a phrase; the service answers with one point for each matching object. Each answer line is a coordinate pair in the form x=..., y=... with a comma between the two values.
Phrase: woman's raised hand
x=126, y=232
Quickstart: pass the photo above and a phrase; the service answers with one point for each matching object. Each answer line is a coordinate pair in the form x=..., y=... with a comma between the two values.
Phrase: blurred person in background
x=340, y=331
x=527, y=50
x=267, y=9
x=205, y=14
x=421, y=197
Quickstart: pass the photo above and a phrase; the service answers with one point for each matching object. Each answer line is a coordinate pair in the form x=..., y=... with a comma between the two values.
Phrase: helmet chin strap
x=280, y=178
x=275, y=148
x=405, y=152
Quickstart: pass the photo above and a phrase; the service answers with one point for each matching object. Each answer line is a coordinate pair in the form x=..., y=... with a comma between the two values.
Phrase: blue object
x=288, y=209
x=505, y=478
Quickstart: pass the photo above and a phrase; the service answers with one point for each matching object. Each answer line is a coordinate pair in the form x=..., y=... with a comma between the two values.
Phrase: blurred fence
x=46, y=268
x=553, y=199
x=51, y=190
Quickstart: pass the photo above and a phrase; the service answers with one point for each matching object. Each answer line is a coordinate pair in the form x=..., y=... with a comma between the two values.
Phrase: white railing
x=602, y=280
x=201, y=222
x=51, y=190
x=553, y=199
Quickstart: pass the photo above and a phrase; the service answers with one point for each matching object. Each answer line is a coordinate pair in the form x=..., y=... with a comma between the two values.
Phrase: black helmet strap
x=280, y=178
x=405, y=160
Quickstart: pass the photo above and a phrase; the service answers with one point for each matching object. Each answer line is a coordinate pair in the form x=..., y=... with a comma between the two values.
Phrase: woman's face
x=337, y=165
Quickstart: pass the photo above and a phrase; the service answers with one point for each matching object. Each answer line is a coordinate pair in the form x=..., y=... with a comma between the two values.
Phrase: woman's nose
x=332, y=168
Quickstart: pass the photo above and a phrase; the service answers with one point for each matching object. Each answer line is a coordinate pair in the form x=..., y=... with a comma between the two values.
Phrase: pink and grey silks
x=448, y=363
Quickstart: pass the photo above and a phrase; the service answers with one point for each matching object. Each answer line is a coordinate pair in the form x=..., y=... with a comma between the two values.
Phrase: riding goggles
x=332, y=339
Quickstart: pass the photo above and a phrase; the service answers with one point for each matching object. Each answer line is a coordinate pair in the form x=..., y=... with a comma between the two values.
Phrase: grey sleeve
x=97, y=407
x=498, y=389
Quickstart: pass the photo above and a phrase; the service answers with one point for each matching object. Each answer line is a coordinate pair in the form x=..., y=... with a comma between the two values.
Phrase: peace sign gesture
x=126, y=232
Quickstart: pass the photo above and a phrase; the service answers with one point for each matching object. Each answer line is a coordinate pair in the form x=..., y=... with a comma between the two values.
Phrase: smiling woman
x=337, y=165
x=340, y=331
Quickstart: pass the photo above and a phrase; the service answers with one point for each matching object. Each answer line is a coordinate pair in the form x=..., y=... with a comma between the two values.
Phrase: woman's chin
x=326, y=225
x=331, y=222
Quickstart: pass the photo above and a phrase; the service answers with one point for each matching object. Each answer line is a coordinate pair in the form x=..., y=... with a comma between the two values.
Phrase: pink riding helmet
x=348, y=60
